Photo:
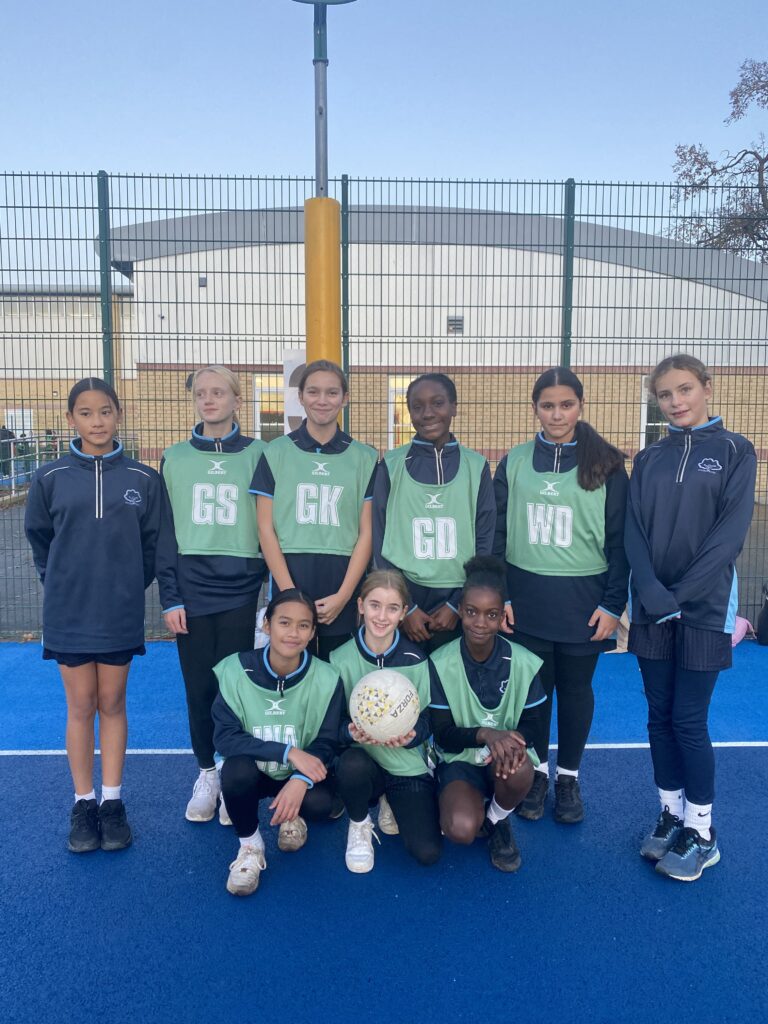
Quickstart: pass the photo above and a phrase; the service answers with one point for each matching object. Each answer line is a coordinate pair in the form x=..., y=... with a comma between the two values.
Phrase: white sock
x=544, y=768
x=673, y=800
x=495, y=812
x=85, y=796
x=110, y=793
x=699, y=816
x=254, y=840
x=566, y=771
x=207, y=771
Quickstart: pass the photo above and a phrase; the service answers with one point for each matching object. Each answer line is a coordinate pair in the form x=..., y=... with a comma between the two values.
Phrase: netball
x=384, y=704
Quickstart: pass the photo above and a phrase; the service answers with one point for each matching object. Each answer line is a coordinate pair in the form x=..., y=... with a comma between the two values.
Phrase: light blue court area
x=585, y=933
x=33, y=709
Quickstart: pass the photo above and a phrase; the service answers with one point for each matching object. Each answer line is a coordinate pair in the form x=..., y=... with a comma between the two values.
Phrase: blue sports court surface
x=585, y=932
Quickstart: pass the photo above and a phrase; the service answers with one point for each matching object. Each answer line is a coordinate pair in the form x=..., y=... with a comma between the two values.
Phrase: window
x=268, y=406
x=20, y=421
x=653, y=426
x=399, y=429
x=202, y=281
x=455, y=325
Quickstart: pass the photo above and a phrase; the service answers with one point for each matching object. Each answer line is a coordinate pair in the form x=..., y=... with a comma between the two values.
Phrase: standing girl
x=208, y=568
x=92, y=519
x=561, y=501
x=278, y=715
x=396, y=772
x=314, y=488
x=484, y=705
x=433, y=509
x=691, y=498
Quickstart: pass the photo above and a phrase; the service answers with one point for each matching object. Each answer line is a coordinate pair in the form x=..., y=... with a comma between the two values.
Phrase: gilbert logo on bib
x=274, y=707
x=218, y=468
x=320, y=469
x=434, y=501
x=550, y=489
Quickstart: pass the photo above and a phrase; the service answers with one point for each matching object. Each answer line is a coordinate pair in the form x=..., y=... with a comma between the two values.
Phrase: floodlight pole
x=321, y=100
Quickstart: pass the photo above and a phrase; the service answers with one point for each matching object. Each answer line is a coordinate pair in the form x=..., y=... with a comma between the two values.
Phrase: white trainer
x=205, y=795
x=387, y=822
x=244, y=871
x=359, y=856
x=224, y=818
x=292, y=835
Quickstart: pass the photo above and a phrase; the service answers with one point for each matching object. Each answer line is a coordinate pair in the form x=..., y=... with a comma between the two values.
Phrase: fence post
x=345, y=284
x=105, y=277
x=569, y=221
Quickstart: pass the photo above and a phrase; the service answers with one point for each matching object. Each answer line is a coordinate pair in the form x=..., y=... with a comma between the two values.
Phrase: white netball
x=384, y=704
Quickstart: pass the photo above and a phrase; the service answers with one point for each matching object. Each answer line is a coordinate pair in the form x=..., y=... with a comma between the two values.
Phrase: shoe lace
x=363, y=832
x=249, y=858
x=686, y=841
x=204, y=784
x=666, y=823
x=291, y=829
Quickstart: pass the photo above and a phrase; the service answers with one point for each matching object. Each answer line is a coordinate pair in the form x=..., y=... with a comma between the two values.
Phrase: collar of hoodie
x=216, y=444
x=678, y=435
x=75, y=447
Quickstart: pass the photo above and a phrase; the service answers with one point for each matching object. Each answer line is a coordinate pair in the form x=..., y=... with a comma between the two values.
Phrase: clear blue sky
x=598, y=90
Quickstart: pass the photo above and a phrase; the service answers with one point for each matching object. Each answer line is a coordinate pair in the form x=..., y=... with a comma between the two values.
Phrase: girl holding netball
x=484, y=706
x=433, y=509
x=208, y=567
x=277, y=717
x=313, y=490
x=561, y=501
x=92, y=519
x=691, y=498
x=395, y=772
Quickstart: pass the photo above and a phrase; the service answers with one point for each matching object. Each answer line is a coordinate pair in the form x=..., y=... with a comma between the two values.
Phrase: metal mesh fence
x=151, y=277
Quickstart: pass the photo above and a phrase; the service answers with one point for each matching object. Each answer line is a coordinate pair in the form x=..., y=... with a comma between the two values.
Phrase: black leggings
x=571, y=676
x=243, y=784
x=678, y=707
x=360, y=781
x=210, y=638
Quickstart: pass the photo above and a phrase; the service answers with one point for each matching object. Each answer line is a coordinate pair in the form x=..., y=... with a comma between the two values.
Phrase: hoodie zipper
x=684, y=459
x=439, y=467
x=99, y=469
x=558, y=456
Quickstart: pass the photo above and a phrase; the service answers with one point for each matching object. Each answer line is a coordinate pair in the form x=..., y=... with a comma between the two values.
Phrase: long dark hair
x=596, y=459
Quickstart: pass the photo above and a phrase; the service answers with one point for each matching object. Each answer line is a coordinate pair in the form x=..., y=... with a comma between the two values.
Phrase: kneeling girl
x=276, y=723
x=484, y=707
x=394, y=773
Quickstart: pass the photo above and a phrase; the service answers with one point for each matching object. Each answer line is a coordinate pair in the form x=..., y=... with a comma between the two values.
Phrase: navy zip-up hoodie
x=428, y=465
x=691, y=497
x=205, y=584
x=92, y=522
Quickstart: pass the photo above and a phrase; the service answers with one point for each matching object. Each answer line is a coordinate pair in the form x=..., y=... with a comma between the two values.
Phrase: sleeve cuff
x=303, y=778
x=173, y=608
x=602, y=608
x=674, y=615
x=411, y=610
x=286, y=752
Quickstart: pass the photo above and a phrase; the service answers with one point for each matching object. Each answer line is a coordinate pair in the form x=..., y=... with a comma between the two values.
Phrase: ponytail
x=596, y=459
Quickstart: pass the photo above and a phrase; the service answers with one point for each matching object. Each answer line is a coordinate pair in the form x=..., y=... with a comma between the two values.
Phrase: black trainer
x=84, y=827
x=568, y=806
x=502, y=847
x=115, y=830
x=532, y=808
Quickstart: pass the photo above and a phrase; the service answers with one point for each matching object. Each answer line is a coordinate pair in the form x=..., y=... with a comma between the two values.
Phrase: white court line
x=181, y=750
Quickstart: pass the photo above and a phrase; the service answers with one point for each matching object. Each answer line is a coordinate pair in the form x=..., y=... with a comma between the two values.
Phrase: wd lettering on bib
x=317, y=501
x=318, y=504
x=431, y=547
x=554, y=527
x=284, y=734
x=213, y=511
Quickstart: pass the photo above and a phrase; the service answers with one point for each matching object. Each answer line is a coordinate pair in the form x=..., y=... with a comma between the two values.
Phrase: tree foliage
x=723, y=202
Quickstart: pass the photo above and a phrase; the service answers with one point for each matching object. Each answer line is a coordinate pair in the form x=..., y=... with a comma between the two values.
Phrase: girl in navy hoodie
x=690, y=503
x=92, y=519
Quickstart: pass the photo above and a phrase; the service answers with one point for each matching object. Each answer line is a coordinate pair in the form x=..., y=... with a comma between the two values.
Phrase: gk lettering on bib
x=318, y=504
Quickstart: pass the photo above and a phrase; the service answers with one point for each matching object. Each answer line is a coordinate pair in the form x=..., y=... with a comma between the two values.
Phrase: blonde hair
x=390, y=579
x=226, y=374
x=680, y=361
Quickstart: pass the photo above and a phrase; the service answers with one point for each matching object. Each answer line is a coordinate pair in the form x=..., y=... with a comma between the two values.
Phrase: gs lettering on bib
x=430, y=529
x=318, y=497
x=213, y=511
x=554, y=527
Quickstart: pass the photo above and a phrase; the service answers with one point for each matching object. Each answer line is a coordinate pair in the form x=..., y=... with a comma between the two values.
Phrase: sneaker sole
x=508, y=867
x=112, y=847
x=199, y=817
x=96, y=845
x=290, y=848
x=388, y=830
x=535, y=814
x=242, y=892
x=693, y=878
x=359, y=869
x=563, y=819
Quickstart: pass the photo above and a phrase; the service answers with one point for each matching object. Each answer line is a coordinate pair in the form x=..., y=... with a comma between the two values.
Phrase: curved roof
x=431, y=225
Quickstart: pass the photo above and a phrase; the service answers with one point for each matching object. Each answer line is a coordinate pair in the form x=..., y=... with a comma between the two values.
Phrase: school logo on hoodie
x=132, y=497
x=710, y=466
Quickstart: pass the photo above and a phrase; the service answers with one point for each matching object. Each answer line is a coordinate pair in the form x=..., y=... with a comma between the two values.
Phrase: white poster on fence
x=294, y=361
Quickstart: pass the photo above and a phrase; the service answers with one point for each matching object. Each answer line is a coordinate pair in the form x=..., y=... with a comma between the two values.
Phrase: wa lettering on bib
x=430, y=528
x=293, y=718
x=213, y=511
x=554, y=527
x=318, y=498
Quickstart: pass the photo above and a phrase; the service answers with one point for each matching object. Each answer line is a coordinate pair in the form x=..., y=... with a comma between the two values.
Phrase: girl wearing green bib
x=208, y=567
x=277, y=718
x=484, y=705
x=433, y=508
x=395, y=773
x=561, y=501
x=313, y=489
